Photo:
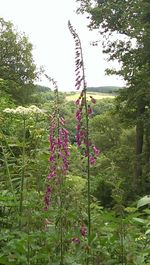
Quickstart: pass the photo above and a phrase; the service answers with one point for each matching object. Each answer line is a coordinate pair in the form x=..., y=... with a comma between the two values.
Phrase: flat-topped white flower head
x=24, y=111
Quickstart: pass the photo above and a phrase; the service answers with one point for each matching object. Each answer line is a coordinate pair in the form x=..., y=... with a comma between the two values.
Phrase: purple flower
x=78, y=114
x=52, y=158
x=78, y=87
x=49, y=189
x=96, y=151
x=67, y=152
x=77, y=83
x=58, y=146
x=65, y=163
x=51, y=175
x=83, y=231
x=77, y=101
x=93, y=100
x=64, y=131
x=76, y=240
x=92, y=160
x=83, y=134
x=78, y=127
x=78, y=77
x=62, y=121
x=59, y=141
x=90, y=111
x=78, y=139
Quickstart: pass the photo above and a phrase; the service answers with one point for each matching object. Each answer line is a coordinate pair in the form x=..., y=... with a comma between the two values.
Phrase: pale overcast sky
x=45, y=23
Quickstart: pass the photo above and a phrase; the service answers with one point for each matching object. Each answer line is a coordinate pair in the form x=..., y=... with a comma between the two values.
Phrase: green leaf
x=144, y=201
x=147, y=232
x=147, y=211
x=139, y=220
x=130, y=209
x=5, y=262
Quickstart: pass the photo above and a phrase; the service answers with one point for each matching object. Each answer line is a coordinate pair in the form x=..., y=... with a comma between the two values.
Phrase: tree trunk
x=138, y=180
x=147, y=145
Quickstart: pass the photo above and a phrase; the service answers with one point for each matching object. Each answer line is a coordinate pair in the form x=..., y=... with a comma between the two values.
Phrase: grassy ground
x=96, y=95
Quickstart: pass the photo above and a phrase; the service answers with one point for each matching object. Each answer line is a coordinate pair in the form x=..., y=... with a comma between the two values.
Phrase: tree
x=126, y=27
x=17, y=67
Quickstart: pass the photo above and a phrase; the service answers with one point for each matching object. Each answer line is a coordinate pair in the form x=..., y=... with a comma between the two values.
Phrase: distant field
x=96, y=95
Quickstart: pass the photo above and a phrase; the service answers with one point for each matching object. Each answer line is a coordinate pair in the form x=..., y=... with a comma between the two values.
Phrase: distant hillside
x=97, y=95
x=42, y=88
x=104, y=89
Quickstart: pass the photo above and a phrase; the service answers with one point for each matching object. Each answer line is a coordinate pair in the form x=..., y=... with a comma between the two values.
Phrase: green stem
x=88, y=178
x=23, y=175
x=88, y=172
x=28, y=241
x=61, y=187
x=122, y=241
x=88, y=153
x=9, y=175
x=61, y=229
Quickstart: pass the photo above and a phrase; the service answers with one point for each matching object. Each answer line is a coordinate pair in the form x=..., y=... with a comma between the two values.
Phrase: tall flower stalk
x=58, y=161
x=83, y=113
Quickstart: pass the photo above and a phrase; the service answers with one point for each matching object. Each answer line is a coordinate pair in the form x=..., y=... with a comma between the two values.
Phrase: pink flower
x=78, y=87
x=65, y=163
x=77, y=83
x=76, y=240
x=78, y=114
x=90, y=111
x=78, y=77
x=52, y=158
x=93, y=100
x=83, y=133
x=77, y=101
x=64, y=131
x=92, y=160
x=78, y=139
x=78, y=127
x=67, y=152
x=83, y=231
x=96, y=151
x=51, y=175
x=62, y=121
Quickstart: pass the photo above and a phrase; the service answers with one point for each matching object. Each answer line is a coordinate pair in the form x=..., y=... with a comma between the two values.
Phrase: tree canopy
x=17, y=67
x=125, y=25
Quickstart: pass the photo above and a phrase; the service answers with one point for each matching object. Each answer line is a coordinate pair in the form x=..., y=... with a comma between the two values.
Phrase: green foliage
x=125, y=26
x=103, y=105
x=144, y=201
x=104, y=89
x=17, y=67
x=120, y=217
x=118, y=235
x=105, y=130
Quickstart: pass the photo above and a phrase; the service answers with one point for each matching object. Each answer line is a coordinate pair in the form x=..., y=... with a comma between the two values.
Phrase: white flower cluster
x=24, y=111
